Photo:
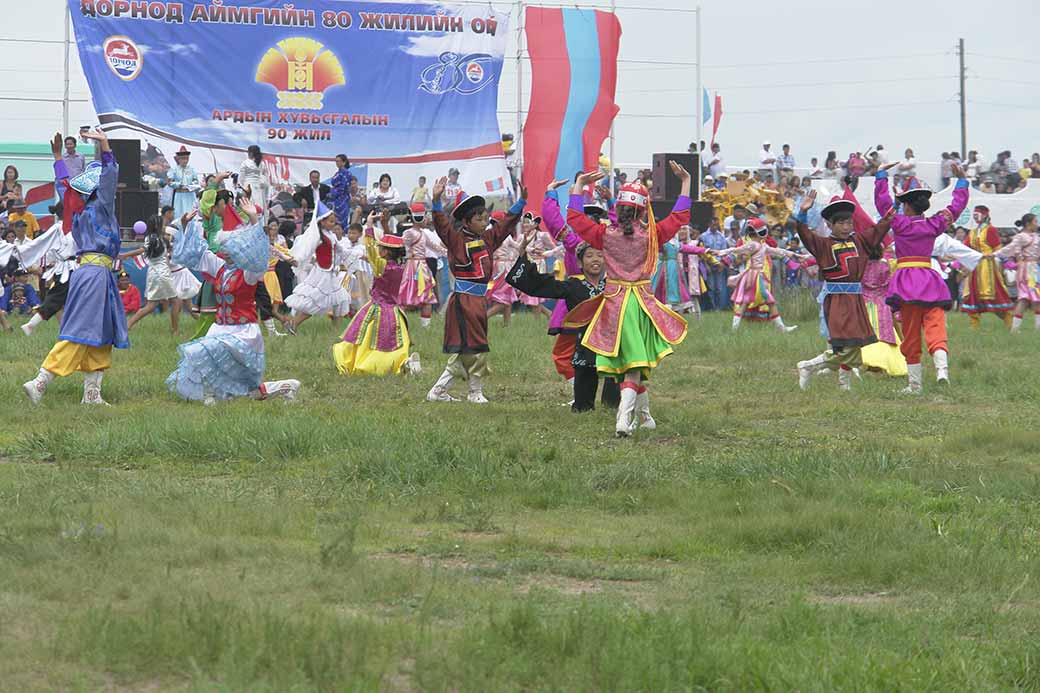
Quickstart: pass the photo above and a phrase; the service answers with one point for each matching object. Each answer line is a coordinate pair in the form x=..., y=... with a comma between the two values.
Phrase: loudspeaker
x=666, y=184
x=135, y=205
x=700, y=213
x=128, y=156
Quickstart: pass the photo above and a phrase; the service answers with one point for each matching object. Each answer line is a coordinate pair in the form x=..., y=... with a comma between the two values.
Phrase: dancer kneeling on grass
x=629, y=330
x=916, y=290
x=319, y=257
x=93, y=321
x=470, y=247
x=229, y=360
x=578, y=287
x=377, y=341
x=842, y=258
x=752, y=286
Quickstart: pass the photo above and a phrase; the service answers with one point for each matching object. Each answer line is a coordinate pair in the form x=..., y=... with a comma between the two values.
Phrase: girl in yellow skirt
x=377, y=341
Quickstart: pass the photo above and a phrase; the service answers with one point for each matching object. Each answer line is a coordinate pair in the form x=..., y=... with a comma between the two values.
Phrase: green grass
x=762, y=538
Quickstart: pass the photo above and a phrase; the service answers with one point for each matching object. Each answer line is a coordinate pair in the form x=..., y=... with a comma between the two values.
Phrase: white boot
x=92, y=388
x=286, y=389
x=439, y=391
x=623, y=427
x=30, y=327
x=807, y=368
x=913, y=374
x=844, y=380
x=271, y=329
x=942, y=367
x=38, y=385
x=784, y=328
x=412, y=366
x=425, y=322
x=1016, y=323
x=643, y=417
x=736, y=322
x=476, y=391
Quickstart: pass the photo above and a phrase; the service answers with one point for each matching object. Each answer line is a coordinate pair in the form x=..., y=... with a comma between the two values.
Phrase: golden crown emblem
x=300, y=69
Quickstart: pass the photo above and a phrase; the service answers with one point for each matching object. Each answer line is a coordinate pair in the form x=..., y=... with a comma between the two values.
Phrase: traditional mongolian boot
x=439, y=391
x=913, y=374
x=942, y=367
x=286, y=389
x=92, y=388
x=643, y=418
x=476, y=391
x=806, y=369
x=38, y=385
x=626, y=409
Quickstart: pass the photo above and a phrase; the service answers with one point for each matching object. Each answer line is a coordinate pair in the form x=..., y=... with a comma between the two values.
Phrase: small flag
x=139, y=262
x=495, y=184
x=706, y=107
x=716, y=117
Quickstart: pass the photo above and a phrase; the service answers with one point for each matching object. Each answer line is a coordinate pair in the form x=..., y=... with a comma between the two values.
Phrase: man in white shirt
x=716, y=165
x=766, y=161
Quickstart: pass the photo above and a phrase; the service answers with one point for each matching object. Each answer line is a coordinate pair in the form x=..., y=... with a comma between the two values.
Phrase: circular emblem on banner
x=123, y=57
x=474, y=72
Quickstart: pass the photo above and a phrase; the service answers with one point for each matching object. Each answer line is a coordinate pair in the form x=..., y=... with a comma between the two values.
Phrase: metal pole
x=65, y=100
x=519, y=89
x=610, y=173
x=964, y=100
x=699, y=173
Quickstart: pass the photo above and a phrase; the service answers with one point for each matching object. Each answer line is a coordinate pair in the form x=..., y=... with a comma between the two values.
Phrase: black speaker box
x=128, y=156
x=135, y=205
x=666, y=185
x=700, y=212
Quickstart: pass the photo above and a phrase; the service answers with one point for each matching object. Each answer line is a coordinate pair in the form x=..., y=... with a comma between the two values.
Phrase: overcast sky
x=793, y=71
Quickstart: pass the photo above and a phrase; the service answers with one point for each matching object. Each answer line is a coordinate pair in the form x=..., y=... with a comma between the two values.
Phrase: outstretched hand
x=958, y=171
x=56, y=143
x=585, y=179
x=528, y=237
x=438, y=188
x=678, y=170
x=891, y=164
x=808, y=200
x=556, y=184
x=523, y=192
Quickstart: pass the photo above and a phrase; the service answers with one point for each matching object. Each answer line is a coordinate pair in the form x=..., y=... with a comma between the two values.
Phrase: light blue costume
x=184, y=200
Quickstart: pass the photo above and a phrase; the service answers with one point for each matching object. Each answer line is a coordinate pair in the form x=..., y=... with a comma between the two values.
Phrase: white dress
x=253, y=175
x=185, y=283
x=318, y=290
x=159, y=284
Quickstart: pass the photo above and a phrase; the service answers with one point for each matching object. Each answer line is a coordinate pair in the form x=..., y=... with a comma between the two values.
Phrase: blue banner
x=413, y=85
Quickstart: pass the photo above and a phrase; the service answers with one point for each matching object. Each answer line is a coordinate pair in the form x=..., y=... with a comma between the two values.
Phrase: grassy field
x=762, y=538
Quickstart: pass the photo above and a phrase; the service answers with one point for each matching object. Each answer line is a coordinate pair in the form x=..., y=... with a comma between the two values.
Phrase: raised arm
x=882, y=198
x=551, y=214
x=372, y=253
x=944, y=217
x=442, y=223
x=680, y=216
x=1013, y=248
x=504, y=229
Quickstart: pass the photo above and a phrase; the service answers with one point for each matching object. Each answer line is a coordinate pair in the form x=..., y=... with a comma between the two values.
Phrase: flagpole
x=610, y=172
x=700, y=111
x=65, y=99
x=519, y=88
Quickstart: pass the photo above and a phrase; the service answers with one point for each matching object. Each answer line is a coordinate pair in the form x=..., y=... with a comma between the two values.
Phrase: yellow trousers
x=67, y=357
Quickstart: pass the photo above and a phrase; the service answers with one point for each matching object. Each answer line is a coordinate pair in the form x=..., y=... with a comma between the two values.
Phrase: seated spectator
x=129, y=293
x=10, y=189
x=18, y=213
x=19, y=297
x=384, y=194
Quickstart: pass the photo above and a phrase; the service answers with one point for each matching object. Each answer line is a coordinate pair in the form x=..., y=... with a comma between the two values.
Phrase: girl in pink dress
x=500, y=295
x=538, y=252
x=1024, y=248
x=417, y=285
x=752, y=287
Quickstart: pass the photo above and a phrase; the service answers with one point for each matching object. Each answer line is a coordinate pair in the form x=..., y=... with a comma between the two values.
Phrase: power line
x=869, y=58
x=1005, y=58
x=1002, y=105
x=20, y=98
x=20, y=40
x=1008, y=81
x=850, y=107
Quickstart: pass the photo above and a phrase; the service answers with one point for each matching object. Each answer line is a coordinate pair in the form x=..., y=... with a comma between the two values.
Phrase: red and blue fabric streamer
x=574, y=76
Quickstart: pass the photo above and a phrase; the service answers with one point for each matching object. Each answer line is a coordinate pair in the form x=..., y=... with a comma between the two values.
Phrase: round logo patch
x=123, y=57
x=474, y=72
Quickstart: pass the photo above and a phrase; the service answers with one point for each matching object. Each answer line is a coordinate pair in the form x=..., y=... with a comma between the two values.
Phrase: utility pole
x=964, y=101
x=698, y=173
x=65, y=98
x=610, y=151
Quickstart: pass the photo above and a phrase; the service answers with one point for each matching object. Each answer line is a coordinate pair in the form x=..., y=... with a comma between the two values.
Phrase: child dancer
x=93, y=321
x=842, y=258
x=690, y=266
x=470, y=246
x=984, y=290
x=358, y=280
x=320, y=288
x=752, y=285
x=883, y=355
x=1024, y=248
x=377, y=341
x=669, y=283
x=916, y=290
x=159, y=288
x=229, y=360
x=418, y=288
x=57, y=249
x=572, y=291
x=628, y=328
